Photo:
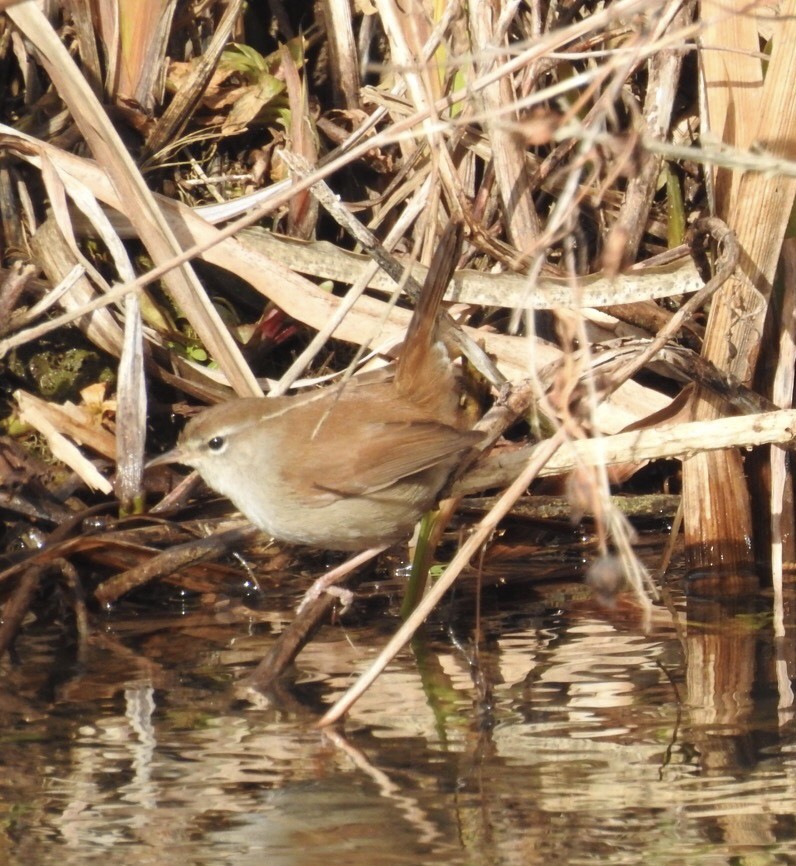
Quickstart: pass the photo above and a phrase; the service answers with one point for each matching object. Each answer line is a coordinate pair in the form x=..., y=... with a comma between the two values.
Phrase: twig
x=173, y=559
x=481, y=533
x=309, y=619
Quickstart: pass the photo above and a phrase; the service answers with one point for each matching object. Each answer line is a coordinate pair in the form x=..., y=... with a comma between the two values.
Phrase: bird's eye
x=216, y=443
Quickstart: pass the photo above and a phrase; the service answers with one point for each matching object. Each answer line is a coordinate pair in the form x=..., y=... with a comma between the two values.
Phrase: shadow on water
x=571, y=735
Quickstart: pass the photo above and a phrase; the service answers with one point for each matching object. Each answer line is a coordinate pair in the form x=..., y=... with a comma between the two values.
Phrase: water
x=571, y=736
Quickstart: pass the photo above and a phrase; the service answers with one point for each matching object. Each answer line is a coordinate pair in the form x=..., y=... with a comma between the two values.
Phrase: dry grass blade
x=131, y=413
x=78, y=422
x=343, y=50
x=678, y=276
x=141, y=208
x=507, y=148
x=144, y=29
x=12, y=286
x=303, y=209
x=52, y=421
x=407, y=31
x=84, y=31
x=57, y=258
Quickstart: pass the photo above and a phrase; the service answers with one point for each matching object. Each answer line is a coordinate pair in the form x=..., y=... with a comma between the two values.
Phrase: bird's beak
x=173, y=456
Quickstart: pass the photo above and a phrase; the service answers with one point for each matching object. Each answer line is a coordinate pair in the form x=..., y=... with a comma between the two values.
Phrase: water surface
x=570, y=734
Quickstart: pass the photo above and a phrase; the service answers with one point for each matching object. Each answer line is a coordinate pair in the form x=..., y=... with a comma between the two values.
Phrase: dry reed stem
x=663, y=442
x=733, y=78
x=718, y=514
x=462, y=558
x=783, y=520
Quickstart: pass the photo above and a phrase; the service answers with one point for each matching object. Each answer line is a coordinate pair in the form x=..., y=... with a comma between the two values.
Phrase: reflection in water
x=568, y=736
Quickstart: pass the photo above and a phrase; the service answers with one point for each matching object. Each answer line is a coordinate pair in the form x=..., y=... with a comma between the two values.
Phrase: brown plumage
x=346, y=466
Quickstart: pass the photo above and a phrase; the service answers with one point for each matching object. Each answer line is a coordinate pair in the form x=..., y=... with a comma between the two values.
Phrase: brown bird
x=347, y=466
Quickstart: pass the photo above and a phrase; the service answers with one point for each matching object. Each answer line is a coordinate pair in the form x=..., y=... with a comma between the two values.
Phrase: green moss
x=59, y=373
